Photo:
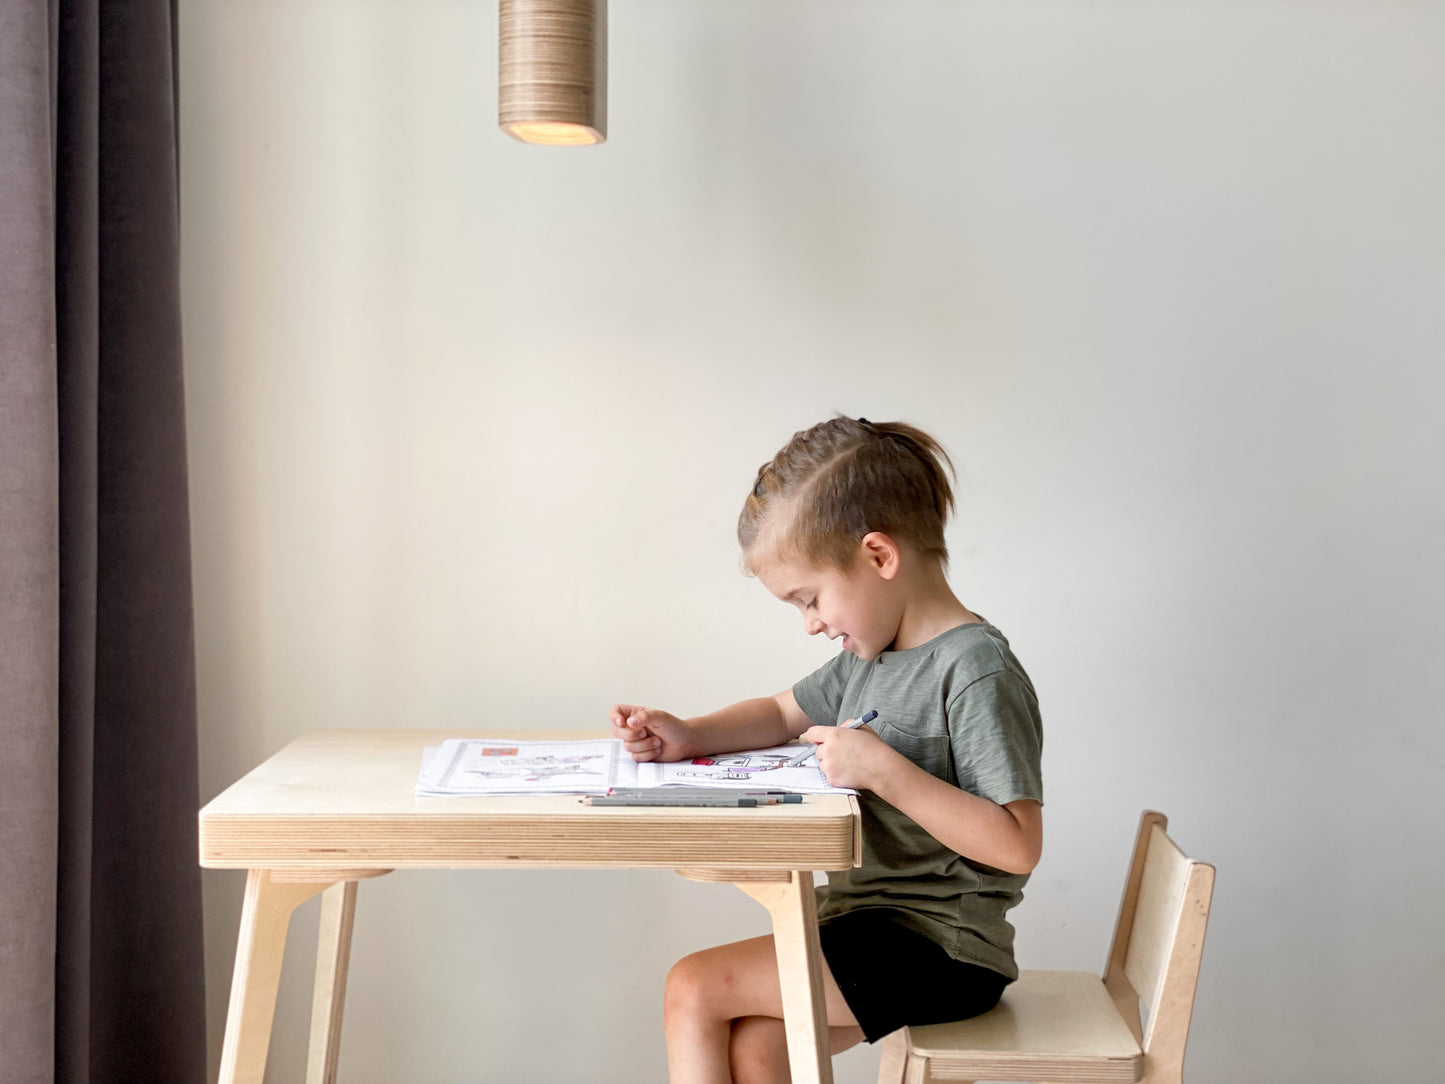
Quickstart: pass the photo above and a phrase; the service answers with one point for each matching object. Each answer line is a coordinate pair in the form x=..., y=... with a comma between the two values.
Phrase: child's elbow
x=1028, y=838
x=1022, y=862
x=1033, y=850
x=1026, y=862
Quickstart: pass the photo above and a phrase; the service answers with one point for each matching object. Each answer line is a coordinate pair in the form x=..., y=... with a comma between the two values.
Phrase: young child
x=846, y=523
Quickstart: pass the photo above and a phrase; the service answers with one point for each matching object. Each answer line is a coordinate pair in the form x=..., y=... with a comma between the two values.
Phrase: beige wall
x=470, y=423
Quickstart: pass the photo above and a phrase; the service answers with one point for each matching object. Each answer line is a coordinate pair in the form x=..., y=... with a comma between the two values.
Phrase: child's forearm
x=749, y=724
x=974, y=827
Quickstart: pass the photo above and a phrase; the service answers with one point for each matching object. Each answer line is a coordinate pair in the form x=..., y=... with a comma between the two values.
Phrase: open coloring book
x=473, y=766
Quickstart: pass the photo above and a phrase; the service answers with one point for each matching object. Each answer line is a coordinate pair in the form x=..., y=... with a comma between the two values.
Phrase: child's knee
x=724, y=982
x=687, y=984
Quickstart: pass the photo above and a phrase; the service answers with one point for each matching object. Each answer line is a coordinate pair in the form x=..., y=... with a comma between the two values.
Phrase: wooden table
x=337, y=806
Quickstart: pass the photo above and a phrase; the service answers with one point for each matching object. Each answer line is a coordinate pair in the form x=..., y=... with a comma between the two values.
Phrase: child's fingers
x=630, y=733
x=627, y=715
x=637, y=739
x=627, y=722
x=647, y=749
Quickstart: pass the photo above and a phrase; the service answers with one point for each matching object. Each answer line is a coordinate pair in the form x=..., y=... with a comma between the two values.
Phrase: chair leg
x=895, y=1057
x=899, y=1065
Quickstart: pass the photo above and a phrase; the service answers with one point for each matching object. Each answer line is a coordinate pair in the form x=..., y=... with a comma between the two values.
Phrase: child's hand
x=849, y=758
x=649, y=734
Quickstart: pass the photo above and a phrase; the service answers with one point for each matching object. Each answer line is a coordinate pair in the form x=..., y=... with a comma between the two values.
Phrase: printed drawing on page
x=731, y=767
x=479, y=766
x=536, y=768
x=767, y=768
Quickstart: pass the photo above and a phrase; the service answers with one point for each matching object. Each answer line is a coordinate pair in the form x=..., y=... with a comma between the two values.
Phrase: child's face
x=856, y=603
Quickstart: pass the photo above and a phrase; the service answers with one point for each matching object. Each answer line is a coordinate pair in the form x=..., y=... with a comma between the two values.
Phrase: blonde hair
x=842, y=479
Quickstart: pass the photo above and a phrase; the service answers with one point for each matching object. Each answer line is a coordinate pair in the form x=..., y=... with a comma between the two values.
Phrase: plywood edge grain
x=630, y=843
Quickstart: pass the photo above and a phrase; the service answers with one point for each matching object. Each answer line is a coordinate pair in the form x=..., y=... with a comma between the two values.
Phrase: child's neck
x=931, y=608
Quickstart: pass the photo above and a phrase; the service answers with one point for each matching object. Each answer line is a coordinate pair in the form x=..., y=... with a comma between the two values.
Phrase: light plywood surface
x=1126, y=999
x=265, y=915
x=338, y=806
x=794, y=911
x=344, y=799
x=1050, y=1025
x=1072, y=1026
x=1161, y=894
x=333, y=959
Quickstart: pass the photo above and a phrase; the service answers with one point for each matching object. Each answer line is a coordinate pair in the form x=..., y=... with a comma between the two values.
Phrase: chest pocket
x=930, y=752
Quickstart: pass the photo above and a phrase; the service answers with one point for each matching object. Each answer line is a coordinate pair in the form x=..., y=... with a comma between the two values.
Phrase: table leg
x=333, y=957
x=800, y=970
x=264, y=918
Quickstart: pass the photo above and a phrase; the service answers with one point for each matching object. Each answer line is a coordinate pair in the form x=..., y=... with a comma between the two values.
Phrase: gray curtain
x=100, y=909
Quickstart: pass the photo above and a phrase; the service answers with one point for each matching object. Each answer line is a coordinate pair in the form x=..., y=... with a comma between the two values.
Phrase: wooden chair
x=1071, y=1026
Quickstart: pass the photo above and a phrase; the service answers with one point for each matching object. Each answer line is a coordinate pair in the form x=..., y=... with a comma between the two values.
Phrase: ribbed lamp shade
x=553, y=77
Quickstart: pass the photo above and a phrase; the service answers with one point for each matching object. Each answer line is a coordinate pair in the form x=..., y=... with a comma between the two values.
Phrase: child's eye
x=813, y=604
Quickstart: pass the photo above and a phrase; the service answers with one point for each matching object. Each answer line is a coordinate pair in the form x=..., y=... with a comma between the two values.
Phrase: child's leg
x=758, y=1049
x=708, y=990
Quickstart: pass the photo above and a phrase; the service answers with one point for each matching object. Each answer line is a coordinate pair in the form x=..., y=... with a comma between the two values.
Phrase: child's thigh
x=741, y=979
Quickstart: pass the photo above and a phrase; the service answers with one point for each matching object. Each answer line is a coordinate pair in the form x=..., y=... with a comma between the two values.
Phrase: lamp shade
x=552, y=79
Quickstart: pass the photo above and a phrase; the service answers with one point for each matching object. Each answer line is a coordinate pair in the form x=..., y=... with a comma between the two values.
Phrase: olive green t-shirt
x=962, y=708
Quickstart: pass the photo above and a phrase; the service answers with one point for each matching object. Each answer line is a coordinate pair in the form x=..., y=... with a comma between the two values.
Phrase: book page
x=755, y=769
x=473, y=766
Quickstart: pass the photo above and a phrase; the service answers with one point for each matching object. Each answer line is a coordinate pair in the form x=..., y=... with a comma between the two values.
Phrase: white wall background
x=470, y=423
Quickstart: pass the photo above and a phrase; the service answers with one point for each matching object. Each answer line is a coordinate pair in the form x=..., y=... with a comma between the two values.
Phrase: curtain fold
x=100, y=904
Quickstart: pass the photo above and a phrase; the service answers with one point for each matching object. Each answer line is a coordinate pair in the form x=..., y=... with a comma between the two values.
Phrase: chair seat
x=1050, y=1025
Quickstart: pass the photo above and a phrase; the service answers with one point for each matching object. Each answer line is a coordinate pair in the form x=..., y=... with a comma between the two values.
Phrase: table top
x=344, y=799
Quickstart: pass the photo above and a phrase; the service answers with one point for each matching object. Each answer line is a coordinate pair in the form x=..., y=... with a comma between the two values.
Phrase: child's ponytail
x=841, y=479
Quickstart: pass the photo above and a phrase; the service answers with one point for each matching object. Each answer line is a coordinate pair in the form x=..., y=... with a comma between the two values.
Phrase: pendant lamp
x=552, y=85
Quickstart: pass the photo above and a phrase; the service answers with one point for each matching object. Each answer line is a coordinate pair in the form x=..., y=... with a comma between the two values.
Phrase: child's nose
x=813, y=625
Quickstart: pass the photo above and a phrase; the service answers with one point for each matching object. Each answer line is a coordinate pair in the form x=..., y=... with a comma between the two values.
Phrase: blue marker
x=862, y=720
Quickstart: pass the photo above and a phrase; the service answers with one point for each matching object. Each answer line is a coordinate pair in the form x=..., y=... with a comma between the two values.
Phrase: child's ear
x=881, y=553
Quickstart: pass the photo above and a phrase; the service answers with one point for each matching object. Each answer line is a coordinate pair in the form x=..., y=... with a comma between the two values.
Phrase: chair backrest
x=1158, y=942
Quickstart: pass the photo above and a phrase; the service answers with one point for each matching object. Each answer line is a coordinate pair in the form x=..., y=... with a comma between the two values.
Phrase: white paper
x=753, y=769
x=473, y=766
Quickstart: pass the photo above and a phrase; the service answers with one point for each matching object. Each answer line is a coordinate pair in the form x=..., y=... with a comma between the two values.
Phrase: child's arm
x=1007, y=837
x=650, y=734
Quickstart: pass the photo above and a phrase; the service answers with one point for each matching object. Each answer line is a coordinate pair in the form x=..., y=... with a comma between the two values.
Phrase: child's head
x=830, y=512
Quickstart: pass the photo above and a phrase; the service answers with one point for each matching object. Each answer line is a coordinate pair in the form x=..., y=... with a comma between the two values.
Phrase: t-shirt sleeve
x=820, y=694
x=997, y=738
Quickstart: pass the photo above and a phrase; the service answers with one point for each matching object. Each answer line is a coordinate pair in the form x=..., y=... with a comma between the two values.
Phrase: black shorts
x=891, y=975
